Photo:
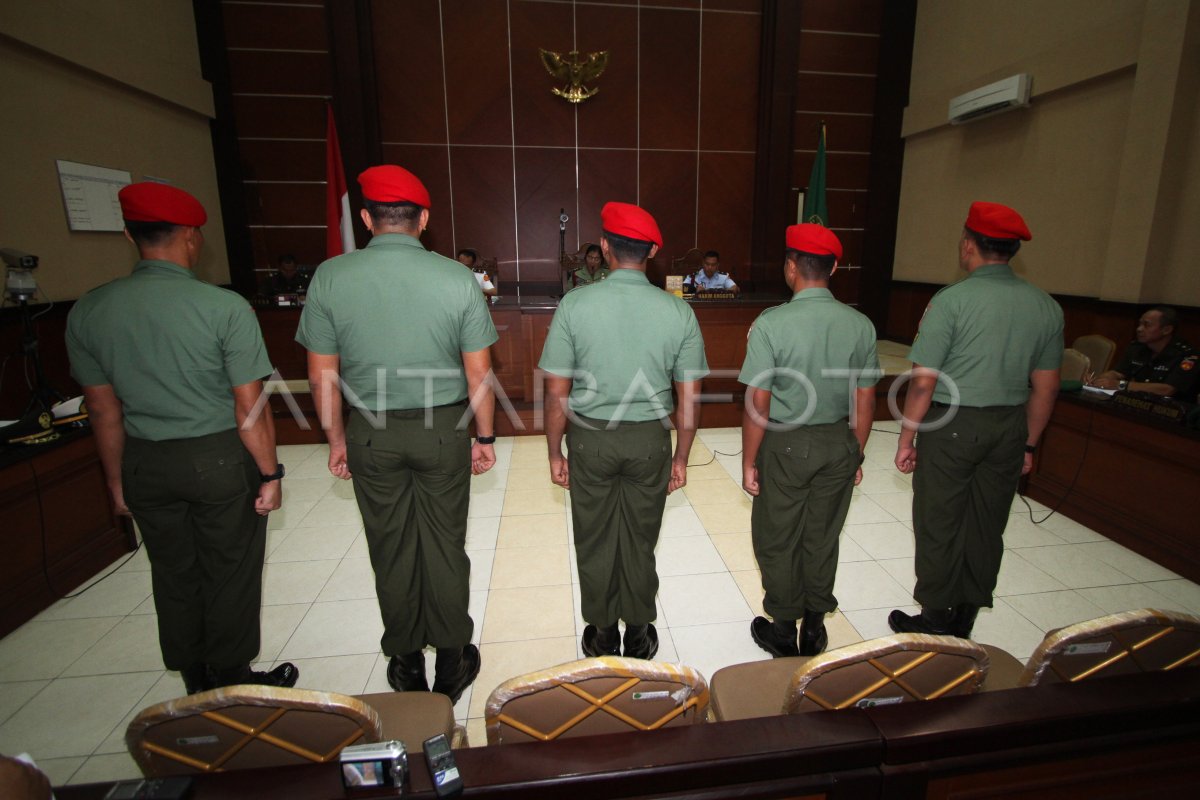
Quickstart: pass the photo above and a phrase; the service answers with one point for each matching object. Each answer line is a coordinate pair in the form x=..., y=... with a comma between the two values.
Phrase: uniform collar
x=813, y=293
x=395, y=238
x=992, y=270
x=627, y=275
x=149, y=265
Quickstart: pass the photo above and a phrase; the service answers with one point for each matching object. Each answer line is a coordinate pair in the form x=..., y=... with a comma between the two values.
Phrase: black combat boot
x=641, y=641
x=407, y=673
x=813, y=636
x=455, y=670
x=778, y=638
x=936, y=621
x=964, y=620
x=601, y=641
x=196, y=678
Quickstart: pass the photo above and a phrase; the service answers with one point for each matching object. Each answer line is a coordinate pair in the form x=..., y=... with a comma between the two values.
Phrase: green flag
x=815, y=209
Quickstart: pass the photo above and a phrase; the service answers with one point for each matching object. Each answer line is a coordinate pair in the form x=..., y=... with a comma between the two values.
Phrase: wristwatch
x=485, y=439
x=1029, y=448
x=274, y=476
x=1122, y=384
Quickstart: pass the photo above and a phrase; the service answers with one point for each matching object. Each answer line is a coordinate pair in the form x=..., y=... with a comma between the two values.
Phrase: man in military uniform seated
x=1158, y=361
x=469, y=258
x=288, y=279
x=593, y=270
x=710, y=276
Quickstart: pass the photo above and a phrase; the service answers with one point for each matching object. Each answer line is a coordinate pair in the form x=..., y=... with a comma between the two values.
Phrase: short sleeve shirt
x=811, y=354
x=585, y=278
x=1176, y=364
x=171, y=346
x=623, y=341
x=399, y=318
x=719, y=280
x=986, y=334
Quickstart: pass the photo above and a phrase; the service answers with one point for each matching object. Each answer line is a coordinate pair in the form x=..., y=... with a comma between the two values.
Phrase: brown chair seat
x=594, y=696
x=247, y=727
x=903, y=667
x=1147, y=640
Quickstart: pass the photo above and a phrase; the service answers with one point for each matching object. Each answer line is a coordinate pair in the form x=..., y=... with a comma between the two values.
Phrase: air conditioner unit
x=991, y=99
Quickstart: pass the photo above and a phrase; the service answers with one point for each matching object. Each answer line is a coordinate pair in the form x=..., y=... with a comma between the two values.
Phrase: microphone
x=562, y=219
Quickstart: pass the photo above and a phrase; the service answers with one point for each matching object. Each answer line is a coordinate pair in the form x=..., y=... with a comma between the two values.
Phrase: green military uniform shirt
x=585, y=278
x=171, y=346
x=400, y=318
x=810, y=335
x=986, y=333
x=624, y=341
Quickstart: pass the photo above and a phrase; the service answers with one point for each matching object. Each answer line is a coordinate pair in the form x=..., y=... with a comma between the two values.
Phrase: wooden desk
x=1129, y=476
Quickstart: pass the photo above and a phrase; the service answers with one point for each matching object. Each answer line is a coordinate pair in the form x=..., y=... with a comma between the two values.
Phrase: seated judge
x=468, y=258
x=710, y=276
x=288, y=279
x=1157, y=362
x=593, y=270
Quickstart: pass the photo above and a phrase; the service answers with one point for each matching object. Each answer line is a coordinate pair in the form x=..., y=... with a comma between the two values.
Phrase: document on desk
x=1098, y=390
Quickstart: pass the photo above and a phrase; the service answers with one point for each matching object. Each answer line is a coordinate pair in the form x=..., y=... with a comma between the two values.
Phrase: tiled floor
x=71, y=679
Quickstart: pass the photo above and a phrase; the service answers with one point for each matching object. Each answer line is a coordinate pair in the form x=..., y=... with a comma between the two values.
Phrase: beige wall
x=115, y=84
x=1103, y=163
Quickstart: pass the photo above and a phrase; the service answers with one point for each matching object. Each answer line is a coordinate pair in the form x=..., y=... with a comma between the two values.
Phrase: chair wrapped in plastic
x=248, y=727
x=592, y=696
x=1147, y=640
x=1099, y=350
x=903, y=667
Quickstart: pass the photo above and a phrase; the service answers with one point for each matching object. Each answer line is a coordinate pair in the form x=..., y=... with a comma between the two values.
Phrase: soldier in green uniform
x=983, y=343
x=810, y=365
x=172, y=369
x=593, y=269
x=613, y=351
x=405, y=333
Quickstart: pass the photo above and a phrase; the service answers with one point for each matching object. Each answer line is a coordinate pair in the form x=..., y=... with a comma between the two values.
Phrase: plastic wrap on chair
x=244, y=727
x=1147, y=640
x=900, y=668
x=593, y=696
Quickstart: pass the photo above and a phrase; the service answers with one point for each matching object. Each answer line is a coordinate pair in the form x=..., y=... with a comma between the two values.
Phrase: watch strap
x=485, y=439
x=274, y=476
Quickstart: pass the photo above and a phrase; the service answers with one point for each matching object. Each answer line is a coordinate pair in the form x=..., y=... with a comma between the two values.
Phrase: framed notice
x=90, y=196
x=674, y=285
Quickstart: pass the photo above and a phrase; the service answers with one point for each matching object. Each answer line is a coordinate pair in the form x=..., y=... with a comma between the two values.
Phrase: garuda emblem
x=575, y=70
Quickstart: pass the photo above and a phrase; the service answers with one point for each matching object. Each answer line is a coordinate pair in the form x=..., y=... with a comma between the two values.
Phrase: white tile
x=481, y=568
x=332, y=510
x=1184, y=595
x=849, y=550
x=60, y=770
x=300, y=495
x=701, y=599
x=315, y=544
x=107, y=768
x=476, y=609
x=289, y=582
x=482, y=533
x=1001, y=626
x=1022, y=504
x=277, y=624
x=883, y=481
x=687, y=555
x=680, y=521
x=872, y=623
x=486, y=504
x=1050, y=610
x=708, y=648
x=353, y=579
x=115, y=596
x=865, y=584
x=899, y=505
x=864, y=510
x=139, y=562
x=1074, y=567
x=95, y=705
x=15, y=695
x=1020, y=532
x=315, y=466
x=883, y=540
x=1128, y=562
x=1130, y=597
x=343, y=674
x=903, y=570
x=494, y=478
x=1068, y=529
x=344, y=627
x=131, y=646
x=169, y=686
x=1018, y=576
x=44, y=649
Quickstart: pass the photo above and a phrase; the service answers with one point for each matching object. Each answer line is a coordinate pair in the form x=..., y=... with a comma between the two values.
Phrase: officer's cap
x=389, y=183
x=158, y=202
x=996, y=222
x=814, y=239
x=630, y=221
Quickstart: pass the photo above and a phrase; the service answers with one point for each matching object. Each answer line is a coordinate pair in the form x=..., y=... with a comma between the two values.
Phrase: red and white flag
x=339, y=225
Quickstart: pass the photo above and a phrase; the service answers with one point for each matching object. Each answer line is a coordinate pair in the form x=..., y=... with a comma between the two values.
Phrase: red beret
x=997, y=222
x=388, y=183
x=814, y=239
x=626, y=219
x=158, y=202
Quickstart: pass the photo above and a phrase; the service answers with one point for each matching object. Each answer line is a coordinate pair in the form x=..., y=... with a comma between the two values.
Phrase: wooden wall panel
x=729, y=82
x=539, y=118
x=282, y=160
x=842, y=171
x=306, y=244
x=483, y=204
x=838, y=93
x=604, y=175
x=726, y=210
x=670, y=82
x=286, y=203
x=545, y=183
x=668, y=191
x=290, y=26
x=842, y=131
x=610, y=119
x=479, y=109
x=857, y=16
x=408, y=71
x=430, y=163
x=280, y=117
x=833, y=51
x=274, y=72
